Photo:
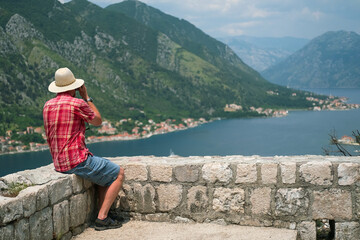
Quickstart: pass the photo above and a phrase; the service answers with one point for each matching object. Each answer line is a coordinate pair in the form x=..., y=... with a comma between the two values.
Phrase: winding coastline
x=331, y=104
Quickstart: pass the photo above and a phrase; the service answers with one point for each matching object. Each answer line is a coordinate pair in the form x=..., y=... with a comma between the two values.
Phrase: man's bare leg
x=107, y=195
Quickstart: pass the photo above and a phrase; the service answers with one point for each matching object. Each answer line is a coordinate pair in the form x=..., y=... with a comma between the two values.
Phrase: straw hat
x=64, y=81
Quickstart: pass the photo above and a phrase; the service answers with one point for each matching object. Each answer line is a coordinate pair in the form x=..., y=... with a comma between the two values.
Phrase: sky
x=261, y=18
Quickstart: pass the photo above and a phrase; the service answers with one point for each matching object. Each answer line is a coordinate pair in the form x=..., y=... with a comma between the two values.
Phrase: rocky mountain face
x=261, y=53
x=132, y=69
x=328, y=61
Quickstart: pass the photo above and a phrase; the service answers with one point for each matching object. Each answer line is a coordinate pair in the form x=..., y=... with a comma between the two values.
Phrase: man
x=64, y=123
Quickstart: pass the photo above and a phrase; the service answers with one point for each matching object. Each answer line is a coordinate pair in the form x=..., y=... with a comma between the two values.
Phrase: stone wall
x=285, y=192
x=55, y=206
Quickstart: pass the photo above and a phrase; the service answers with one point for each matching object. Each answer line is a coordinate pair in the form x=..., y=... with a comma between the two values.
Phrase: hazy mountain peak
x=329, y=60
x=263, y=52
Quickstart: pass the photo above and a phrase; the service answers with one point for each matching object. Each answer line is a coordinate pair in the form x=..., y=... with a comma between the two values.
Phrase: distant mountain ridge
x=131, y=68
x=328, y=61
x=261, y=53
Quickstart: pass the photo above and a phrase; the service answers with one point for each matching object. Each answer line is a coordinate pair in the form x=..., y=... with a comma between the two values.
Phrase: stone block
x=357, y=202
x=42, y=175
x=291, y=202
x=169, y=196
x=246, y=173
x=217, y=172
x=91, y=203
x=283, y=224
x=260, y=199
x=16, y=178
x=78, y=209
x=59, y=189
x=42, y=197
x=348, y=173
x=61, y=218
x=187, y=173
x=288, y=172
x=77, y=183
x=146, y=198
x=316, y=173
x=256, y=222
x=7, y=232
x=183, y=220
x=67, y=236
x=79, y=229
x=10, y=210
x=3, y=186
x=41, y=225
x=157, y=217
x=197, y=199
x=136, y=172
x=307, y=230
x=28, y=198
x=231, y=200
x=87, y=184
x=221, y=222
x=138, y=198
x=22, y=229
x=332, y=204
x=125, y=200
x=268, y=173
x=347, y=230
x=160, y=173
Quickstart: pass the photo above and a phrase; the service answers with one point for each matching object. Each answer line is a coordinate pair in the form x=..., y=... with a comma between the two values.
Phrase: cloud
x=316, y=15
x=254, y=12
x=305, y=18
x=201, y=5
x=235, y=29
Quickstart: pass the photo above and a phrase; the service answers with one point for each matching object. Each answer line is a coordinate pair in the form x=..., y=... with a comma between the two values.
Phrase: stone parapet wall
x=286, y=192
x=54, y=206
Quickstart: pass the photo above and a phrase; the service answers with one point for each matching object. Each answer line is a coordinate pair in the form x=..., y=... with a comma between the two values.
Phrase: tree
x=340, y=147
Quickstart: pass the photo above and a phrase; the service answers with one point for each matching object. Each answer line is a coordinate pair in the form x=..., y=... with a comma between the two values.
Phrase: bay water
x=299, y=133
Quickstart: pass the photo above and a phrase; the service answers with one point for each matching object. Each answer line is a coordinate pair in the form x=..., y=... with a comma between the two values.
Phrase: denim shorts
x=98, y=170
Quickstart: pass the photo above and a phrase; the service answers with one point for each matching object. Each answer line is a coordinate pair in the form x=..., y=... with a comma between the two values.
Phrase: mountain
x=328, y=61
x=262, y=52
x=155, y=67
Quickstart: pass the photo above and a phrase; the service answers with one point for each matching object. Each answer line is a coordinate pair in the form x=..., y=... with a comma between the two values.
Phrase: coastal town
x=106, y=132
x=130, y=129
x=331, y=103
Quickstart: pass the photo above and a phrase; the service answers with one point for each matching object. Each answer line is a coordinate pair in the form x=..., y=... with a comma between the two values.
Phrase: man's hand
x=83, y=92
x=97, y=119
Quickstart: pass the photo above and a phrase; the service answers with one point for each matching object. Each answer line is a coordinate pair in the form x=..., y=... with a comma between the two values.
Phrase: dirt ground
x=139, y=230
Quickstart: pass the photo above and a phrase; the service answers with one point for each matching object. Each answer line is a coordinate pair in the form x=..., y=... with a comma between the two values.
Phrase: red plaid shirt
x=64, y=123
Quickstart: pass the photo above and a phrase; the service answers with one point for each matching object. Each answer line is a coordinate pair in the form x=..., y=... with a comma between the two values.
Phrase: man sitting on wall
x=64, y=123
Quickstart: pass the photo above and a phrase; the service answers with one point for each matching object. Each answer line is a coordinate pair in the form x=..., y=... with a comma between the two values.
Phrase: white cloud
x=305, y=18
x=219, y=6
x=239, y=28
x=316, y=15
x=254, y=12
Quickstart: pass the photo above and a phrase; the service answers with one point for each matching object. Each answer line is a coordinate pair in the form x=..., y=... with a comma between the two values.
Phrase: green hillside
x=131, y=69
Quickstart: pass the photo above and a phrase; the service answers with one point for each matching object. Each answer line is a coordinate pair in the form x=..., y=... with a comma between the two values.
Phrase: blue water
x=301, y=132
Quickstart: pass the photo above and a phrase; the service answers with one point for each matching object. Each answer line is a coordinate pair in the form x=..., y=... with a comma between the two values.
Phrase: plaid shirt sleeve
x=85, y=112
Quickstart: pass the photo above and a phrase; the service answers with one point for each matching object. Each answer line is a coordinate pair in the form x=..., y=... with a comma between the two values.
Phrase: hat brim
x=55, y=89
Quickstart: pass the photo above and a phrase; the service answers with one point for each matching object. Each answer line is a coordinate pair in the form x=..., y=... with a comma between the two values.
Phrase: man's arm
x=97, y=119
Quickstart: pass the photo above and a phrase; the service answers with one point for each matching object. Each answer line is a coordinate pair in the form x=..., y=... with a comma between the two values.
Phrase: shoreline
x=113, y=138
